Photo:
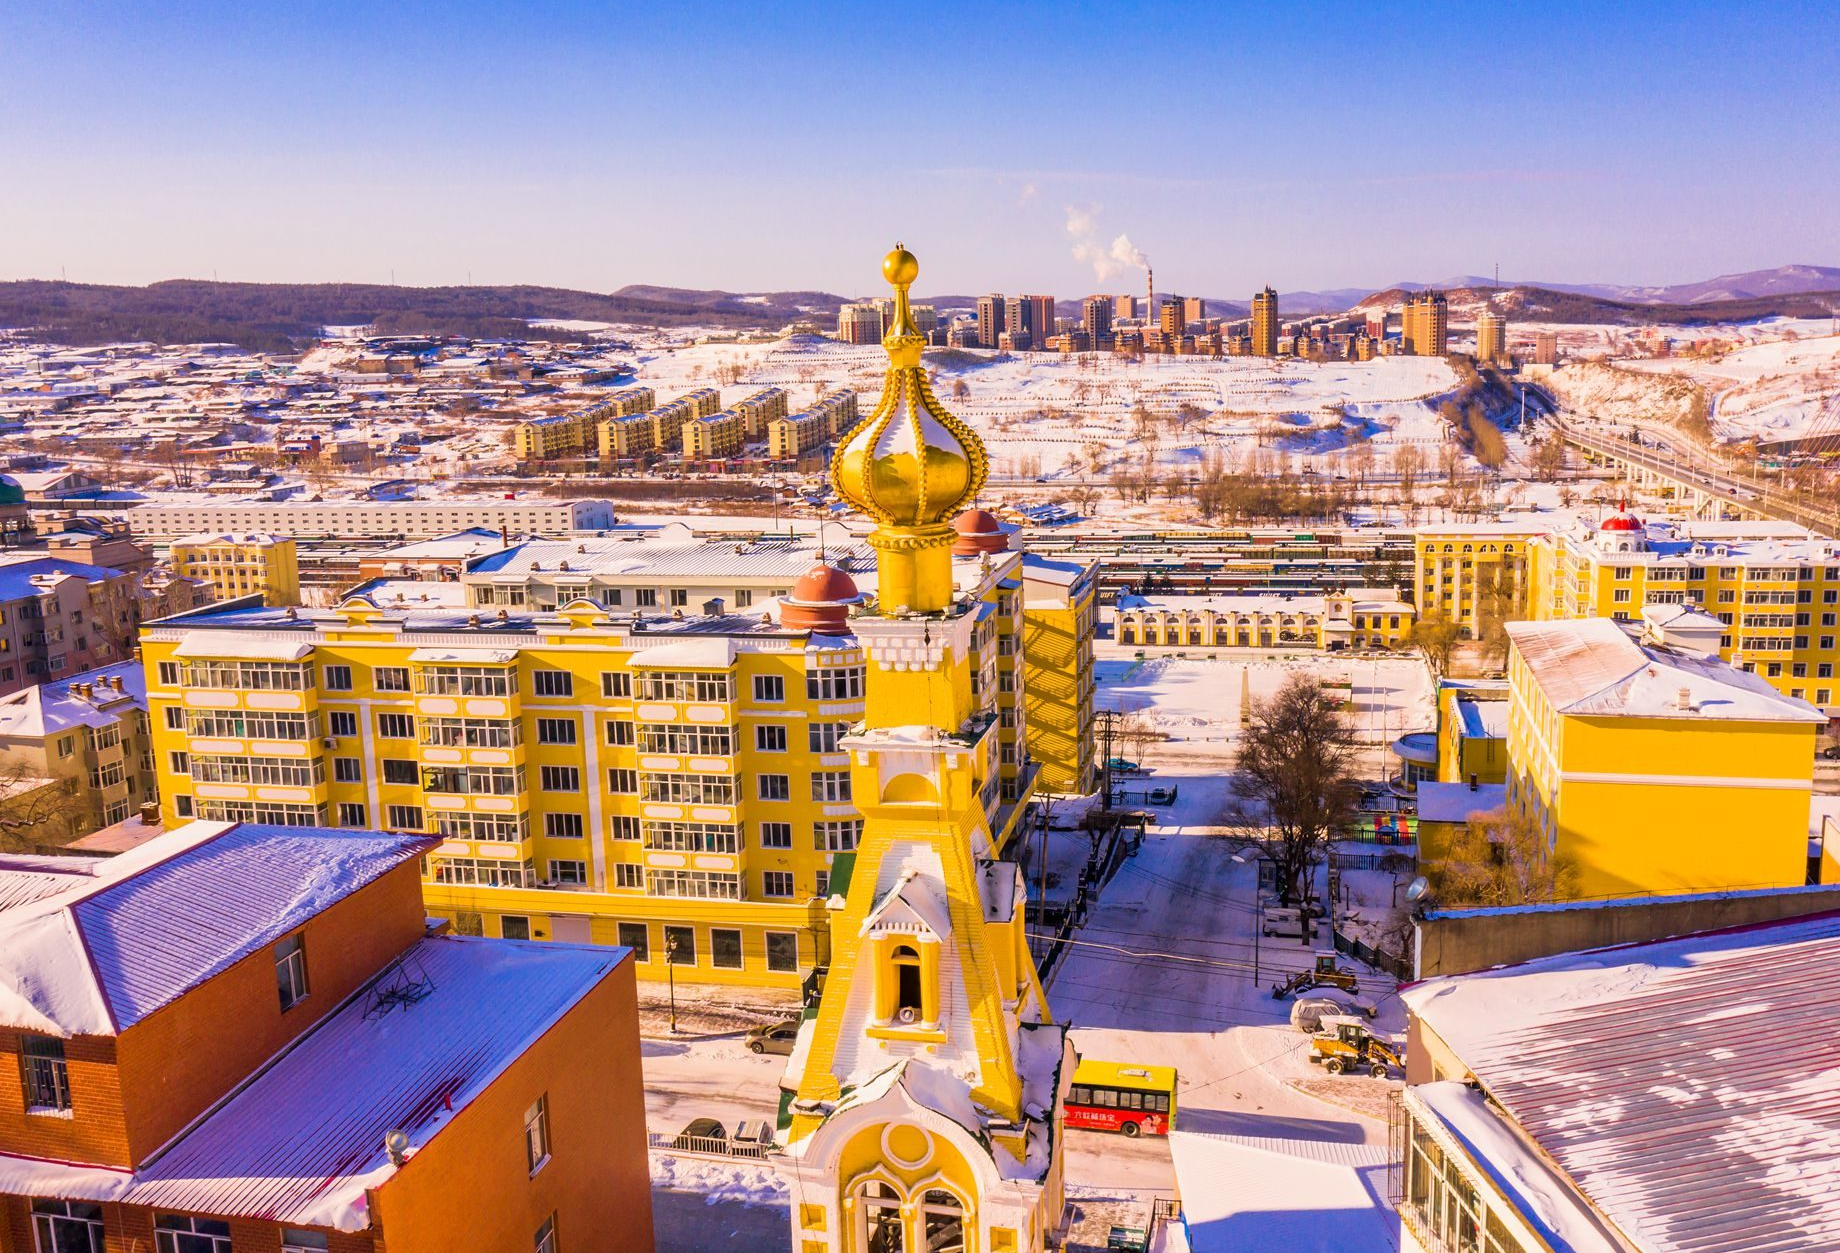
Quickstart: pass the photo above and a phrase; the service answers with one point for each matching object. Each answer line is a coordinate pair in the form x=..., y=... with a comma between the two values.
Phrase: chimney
x=1685, y=698
x=1472, y=782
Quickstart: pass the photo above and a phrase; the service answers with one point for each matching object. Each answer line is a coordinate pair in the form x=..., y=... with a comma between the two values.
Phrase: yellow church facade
x=923, y=1100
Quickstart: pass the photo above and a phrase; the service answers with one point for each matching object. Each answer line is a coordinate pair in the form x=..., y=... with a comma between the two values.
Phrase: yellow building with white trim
x=1362, y=618
x=1655, y=768
x=237, y=564
x=1464, y=568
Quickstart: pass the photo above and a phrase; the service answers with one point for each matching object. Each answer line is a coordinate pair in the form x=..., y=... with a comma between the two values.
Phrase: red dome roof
x=979, y=531
x=825, y=585
x=977, y=522
x=1621, y=522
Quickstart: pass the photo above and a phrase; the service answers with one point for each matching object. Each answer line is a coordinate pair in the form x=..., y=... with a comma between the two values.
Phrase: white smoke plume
x=1106, y=263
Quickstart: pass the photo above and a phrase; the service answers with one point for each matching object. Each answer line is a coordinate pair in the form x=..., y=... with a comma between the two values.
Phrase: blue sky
x=756, y=146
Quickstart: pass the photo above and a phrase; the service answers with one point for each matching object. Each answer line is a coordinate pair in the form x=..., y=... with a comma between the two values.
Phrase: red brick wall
x=129, y=1229
x=175, y=1063
x=470, y=1186
x=96, y=1131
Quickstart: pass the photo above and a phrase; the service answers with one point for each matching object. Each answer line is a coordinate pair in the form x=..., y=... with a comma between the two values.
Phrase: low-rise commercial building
x=1361, y=618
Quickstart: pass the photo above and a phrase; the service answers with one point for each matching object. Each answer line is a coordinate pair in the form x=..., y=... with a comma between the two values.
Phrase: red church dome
x=979, y=531
x=1621, y=520
x=820, y=601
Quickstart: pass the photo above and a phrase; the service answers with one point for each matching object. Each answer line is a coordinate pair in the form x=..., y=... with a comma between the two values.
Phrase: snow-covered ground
x=1774, y=379
x=1044, y=413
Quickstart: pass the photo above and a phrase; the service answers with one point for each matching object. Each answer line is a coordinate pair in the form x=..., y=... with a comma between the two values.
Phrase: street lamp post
x=670, y=974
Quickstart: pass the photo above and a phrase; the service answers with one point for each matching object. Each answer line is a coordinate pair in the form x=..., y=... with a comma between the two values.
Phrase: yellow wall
x=1662, y=804
x=1791, y=638
x=1450, y=565
x=265, y=566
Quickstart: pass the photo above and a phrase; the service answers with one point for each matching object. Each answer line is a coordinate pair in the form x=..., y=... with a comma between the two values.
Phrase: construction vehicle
x=1346, y=1043
x=1325, y=974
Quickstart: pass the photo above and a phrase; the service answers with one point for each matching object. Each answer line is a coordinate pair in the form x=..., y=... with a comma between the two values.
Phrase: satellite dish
x=1417, y=888
x=396, y=1144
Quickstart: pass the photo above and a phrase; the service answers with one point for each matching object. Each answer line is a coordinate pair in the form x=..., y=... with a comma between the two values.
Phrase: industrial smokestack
x=1150, y=278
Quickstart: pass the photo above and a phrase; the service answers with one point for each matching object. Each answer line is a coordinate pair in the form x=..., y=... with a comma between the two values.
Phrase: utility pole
x=670, y=972
x=1107, y=728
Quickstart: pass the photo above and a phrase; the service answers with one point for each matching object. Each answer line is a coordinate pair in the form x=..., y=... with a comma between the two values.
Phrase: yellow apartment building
x=1466, y=570
x=88, y=733
x=1265, y=323
x=1060, y=620
x=1491, y=337
x=716, y=437
x=759, y=409
x=637, y=430
x=1364, y=618
x=575, y=435
x=1774, y=588
x=663, y=779
x=1653, y=767
x=790, y=436
x=237, y=564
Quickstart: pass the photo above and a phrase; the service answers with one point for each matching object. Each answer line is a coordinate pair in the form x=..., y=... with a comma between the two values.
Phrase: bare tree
x=1436, y=637
x=36, y=813
x=1500, y=857
x=1296, y=780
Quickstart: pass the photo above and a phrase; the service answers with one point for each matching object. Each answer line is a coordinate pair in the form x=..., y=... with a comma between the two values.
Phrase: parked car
x=1119, y=765
x=751, y=1139
x=702, y=1135
x=1831, y=752
x=773, y=1037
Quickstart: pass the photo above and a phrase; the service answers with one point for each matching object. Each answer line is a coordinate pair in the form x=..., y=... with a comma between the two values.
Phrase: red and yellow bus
x=1113, y=1096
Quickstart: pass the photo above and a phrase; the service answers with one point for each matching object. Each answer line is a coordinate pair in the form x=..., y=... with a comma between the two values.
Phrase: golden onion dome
x=909, y=463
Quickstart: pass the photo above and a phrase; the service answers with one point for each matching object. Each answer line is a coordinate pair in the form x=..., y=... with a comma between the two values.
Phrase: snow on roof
x=36, y=712
x=303, y=1141
x=25, y=878
x=1682, y=1084
x=1455, y=802
x=1482, y=719
x=464, y=656
x=1247, y=1192
x=1592, y=667
x=154, y=923
x=709, y=652
x=467, y=543
x=240, y=647
x=1539, y=1193
x=16, y=576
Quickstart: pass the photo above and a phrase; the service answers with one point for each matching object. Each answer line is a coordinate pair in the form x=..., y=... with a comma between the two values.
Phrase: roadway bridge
x=1709, y=489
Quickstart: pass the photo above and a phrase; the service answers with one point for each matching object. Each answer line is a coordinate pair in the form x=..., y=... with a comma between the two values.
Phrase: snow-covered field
x=1043, y=413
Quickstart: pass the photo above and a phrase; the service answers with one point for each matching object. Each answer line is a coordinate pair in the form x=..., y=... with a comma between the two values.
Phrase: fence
x=706, y=1146
x=1393, y=964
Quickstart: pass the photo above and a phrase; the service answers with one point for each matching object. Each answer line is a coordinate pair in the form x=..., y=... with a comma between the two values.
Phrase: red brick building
x=242, y=1038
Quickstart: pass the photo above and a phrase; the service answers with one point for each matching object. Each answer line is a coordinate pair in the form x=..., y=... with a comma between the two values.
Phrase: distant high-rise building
x=1425, y=325
x=1491, y=337
x=1265, y=323
x=1194, y=309
x=1096, y=318
x=1546, y=348
x=1170, y=320
x=992, y=313
x=1038, y=320
x=860, y=323
x=1124, y=307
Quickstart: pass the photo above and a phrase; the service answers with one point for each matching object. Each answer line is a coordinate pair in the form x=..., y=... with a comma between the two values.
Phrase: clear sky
x=766, y=145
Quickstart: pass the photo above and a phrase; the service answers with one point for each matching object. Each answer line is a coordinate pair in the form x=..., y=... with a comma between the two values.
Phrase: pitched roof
x=1592, y=667
x=1683, y=1085
x=303, y=1141
x=154, y=923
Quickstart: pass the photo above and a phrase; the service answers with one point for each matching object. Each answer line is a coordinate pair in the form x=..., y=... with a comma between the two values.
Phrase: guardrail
x=706, y=1146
